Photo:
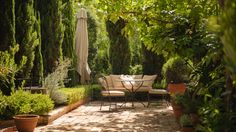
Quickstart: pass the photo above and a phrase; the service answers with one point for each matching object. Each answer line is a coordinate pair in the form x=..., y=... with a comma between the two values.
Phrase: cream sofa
x=113, y=82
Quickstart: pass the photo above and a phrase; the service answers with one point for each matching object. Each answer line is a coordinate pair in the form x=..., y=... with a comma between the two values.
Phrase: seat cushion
x=113, y=93
x=158, y=91
x=144, y=89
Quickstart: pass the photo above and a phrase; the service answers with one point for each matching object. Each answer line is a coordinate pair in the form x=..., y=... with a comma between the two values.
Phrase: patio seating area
x=88, y=118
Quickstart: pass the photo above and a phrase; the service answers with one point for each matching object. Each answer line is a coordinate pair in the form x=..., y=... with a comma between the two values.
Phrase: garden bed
x=50, y=117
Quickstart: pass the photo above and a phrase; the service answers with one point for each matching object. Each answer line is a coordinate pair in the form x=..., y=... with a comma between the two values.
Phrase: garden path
x=89, y=118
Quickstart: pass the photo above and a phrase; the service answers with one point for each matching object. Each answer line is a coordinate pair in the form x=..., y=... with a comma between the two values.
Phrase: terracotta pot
x=195, y=118
x=26, y=123
x=187, y=129
x=178, y=110
x=177, y=88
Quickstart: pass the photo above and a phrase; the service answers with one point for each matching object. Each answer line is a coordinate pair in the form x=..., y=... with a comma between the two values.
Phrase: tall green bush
x=26, y=35
x=68, y=45
x=7, y=22
x=52, y=31
x=119, y=47
x=152, y=63
x=37, y=71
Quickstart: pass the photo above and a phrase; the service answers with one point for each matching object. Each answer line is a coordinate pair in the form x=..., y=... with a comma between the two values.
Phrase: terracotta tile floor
x=88, y=118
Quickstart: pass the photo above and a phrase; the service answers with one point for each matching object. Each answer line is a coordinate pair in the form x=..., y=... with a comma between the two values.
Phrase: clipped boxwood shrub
x=22, y=102
x=78, y=93
x=175, y=70
x=74, y=94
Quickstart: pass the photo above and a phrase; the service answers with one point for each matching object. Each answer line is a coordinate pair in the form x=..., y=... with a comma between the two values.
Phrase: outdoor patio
x=88, y=118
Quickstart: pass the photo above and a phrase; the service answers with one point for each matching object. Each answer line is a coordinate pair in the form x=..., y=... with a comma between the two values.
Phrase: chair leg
x=148, y=100
x=102, y=101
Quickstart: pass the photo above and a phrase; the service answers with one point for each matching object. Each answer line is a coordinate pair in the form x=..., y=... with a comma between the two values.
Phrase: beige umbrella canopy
x=81, y=45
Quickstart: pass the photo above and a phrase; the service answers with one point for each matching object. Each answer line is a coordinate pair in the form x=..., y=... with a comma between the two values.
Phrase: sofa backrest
x=149, y=77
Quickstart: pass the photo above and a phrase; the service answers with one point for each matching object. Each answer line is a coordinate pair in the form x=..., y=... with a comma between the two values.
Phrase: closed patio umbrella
x=81, y=44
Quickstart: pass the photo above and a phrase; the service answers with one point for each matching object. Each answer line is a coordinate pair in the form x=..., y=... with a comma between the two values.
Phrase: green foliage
x=178, y=99
x=68, y=45
x=7, y=22
x=137, y=69
x=8, y=69
x=21, y=102
x=55, y=80
x=119, y=48
x=76, y=94
x=175, y=70
x=26, y=35
x=152, y=63
x=37, y=71
x=228, y=38
x=185, y=121
x=3, y=103
x=52, y=32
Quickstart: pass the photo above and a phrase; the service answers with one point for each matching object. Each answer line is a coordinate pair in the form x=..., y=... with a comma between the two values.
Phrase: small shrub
x=3, y=103
x=185, y=121
x=22, y=102
x=175, y=70
x=54, y=81
x=41, y=104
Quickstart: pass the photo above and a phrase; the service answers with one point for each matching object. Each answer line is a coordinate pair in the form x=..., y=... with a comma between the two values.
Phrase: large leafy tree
x=166, y=27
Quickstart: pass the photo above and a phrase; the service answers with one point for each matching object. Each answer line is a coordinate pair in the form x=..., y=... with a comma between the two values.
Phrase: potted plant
x=186, y=123
x=190, y=107
x=175, y=71
x=176, y=103
x=26, y=122
x=24, y=108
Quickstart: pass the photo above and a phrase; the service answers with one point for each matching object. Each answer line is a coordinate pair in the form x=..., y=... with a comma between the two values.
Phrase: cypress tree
x=7, y=22
x=68, y=45
x=119, y=47
x=92, y=34
x=37, y=71
x=26, y=35
x=7, y=39
x=52, y=32
x=152, y=63
x=93, y=50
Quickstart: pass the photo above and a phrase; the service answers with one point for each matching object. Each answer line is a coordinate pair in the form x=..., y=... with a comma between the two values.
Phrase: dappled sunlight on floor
x=89, y=118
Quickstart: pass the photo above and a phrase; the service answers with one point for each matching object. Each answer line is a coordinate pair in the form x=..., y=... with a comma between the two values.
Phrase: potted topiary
x=175, y=71
x=186, y=123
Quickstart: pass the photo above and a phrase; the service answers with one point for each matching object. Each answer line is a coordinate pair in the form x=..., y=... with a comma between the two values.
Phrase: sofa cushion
x=137, y=76
x=109, y=81
x=102, y=82
x=149, y=77
x=115, y=80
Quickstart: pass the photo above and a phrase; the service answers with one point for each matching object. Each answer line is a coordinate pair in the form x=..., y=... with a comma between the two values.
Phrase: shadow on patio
x=88, y=118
